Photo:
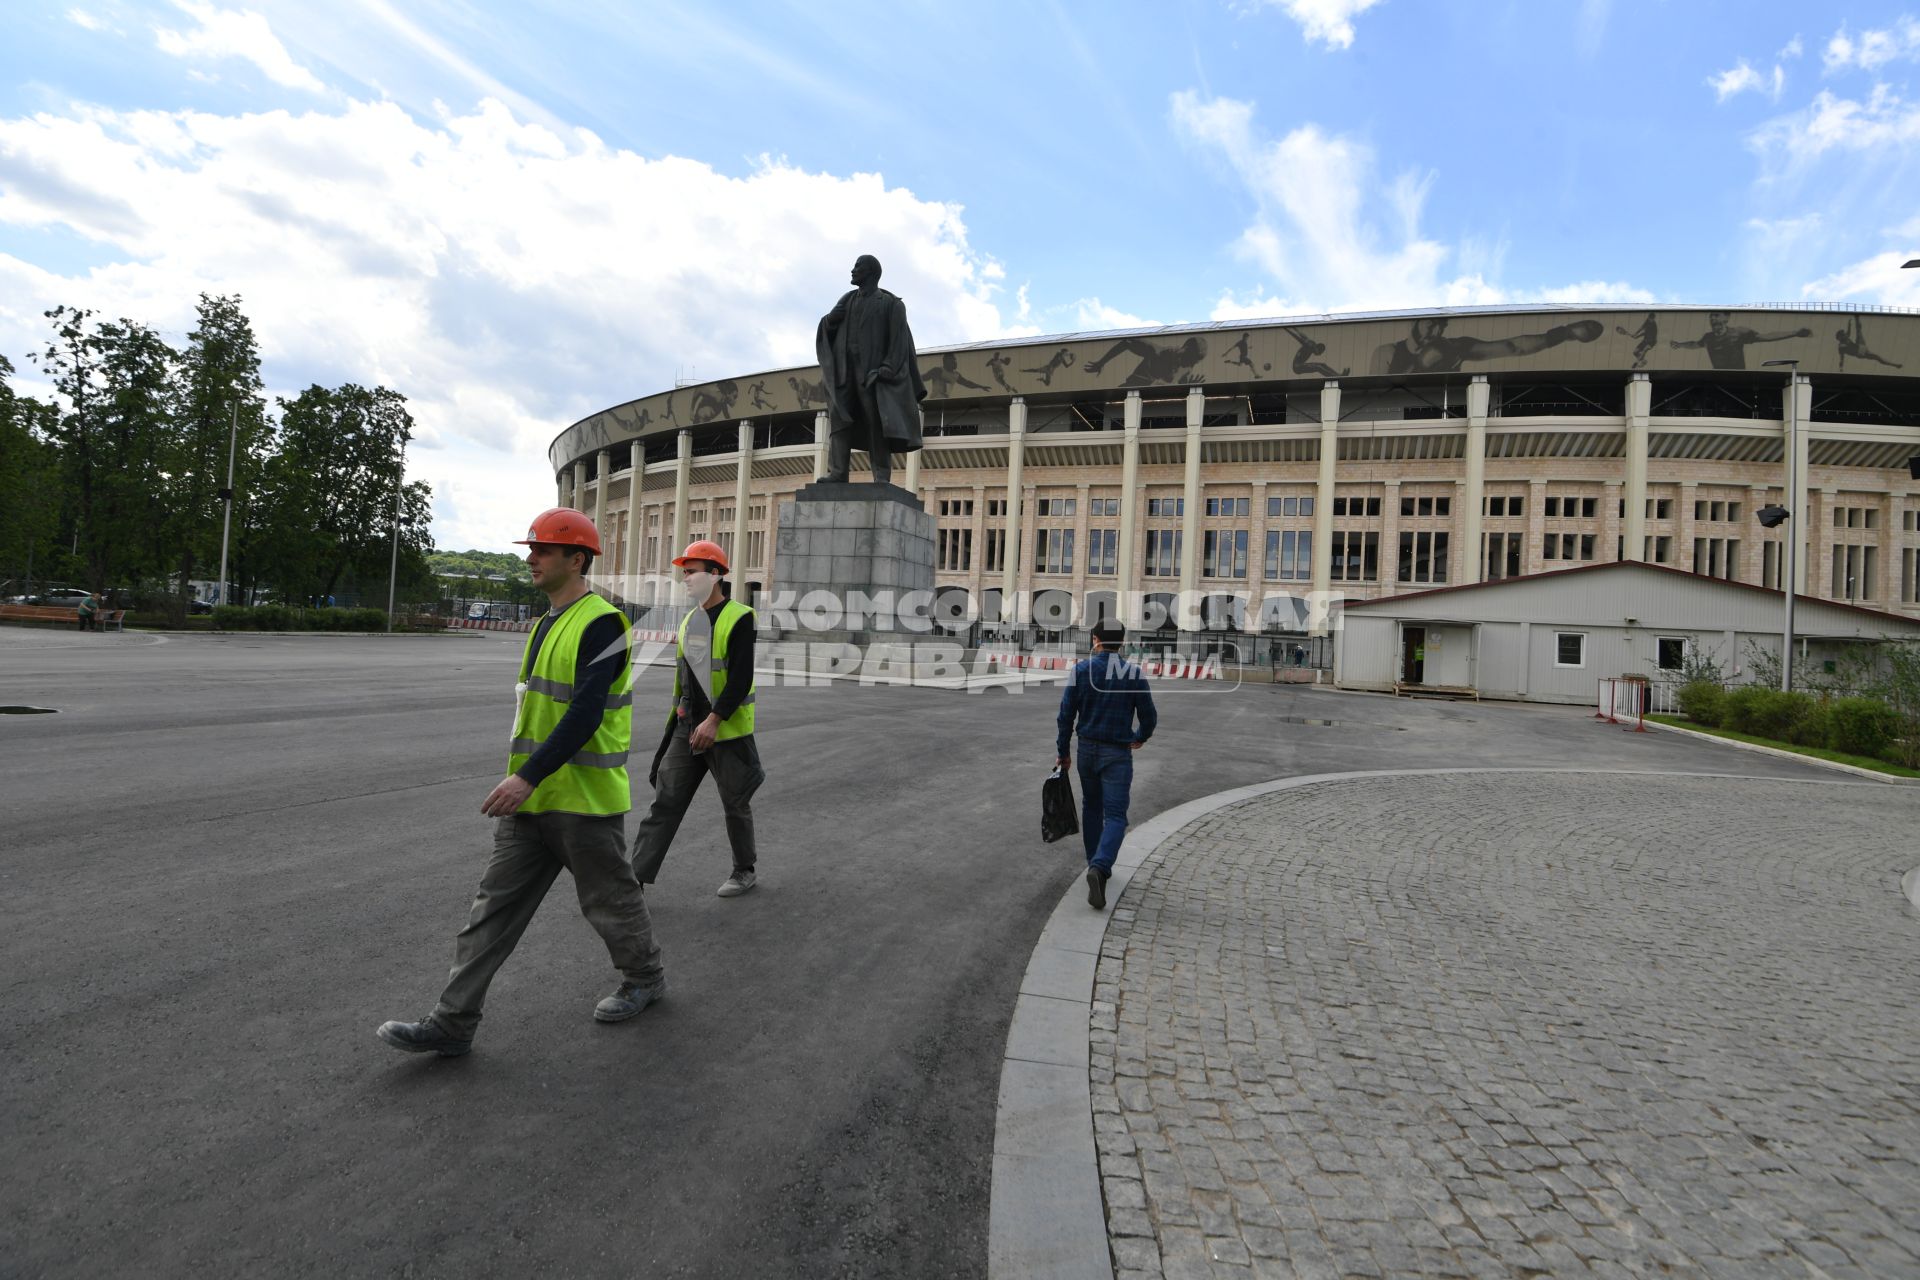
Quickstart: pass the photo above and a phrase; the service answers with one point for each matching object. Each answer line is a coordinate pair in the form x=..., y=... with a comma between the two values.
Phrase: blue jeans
x=1106, y=784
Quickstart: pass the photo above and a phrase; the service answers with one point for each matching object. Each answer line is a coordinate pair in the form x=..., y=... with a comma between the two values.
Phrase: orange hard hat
x=703, y=550
x=562, y=526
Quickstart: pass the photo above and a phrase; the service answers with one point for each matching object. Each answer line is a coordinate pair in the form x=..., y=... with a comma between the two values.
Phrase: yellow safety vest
x=740, y=723
x=594, y=782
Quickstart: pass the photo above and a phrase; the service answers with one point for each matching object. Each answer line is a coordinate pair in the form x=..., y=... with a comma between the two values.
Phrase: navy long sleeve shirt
x=1106, y=696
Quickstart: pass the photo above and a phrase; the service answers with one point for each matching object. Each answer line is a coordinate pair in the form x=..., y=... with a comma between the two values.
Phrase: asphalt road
x=226, y=860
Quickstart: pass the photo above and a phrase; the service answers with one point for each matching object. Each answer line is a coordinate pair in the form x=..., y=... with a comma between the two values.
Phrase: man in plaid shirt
x=1107, y=696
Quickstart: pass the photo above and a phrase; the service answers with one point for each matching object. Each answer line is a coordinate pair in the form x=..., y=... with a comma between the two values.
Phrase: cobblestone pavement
x=1516, y=1025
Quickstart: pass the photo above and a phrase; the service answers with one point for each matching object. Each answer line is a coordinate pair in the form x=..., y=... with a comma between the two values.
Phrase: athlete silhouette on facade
x=1303, y=361
x=1726, y=345
x=1853, y=342
x=1649, y=335
x=1062, y=359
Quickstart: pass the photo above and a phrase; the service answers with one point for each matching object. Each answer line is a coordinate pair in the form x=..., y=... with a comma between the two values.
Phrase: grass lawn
x=1838, y=757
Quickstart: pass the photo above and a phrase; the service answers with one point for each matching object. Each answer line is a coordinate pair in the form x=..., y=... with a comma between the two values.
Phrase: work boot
x=736, y=884
x=1096, y=888
x=424, y=1036
x=629, y=1000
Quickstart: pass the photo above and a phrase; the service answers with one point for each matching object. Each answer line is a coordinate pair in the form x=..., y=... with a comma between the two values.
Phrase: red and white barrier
x=1622, y=702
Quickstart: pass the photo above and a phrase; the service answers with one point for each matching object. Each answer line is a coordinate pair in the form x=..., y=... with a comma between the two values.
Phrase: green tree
x=115, y=438
x=328, y=493
x=29, y=486
x=218, y=399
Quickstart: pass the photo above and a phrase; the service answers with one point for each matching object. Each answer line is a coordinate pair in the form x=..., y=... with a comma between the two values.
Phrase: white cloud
x=1331, y=236
x=1091, y=313
x=1832, y=123
x=1791, y=49
x=1871, y=50
x=1328, y=21
x=235, y=33
x=1742, y=78
x=1879, y=279
x=506, y=278
x=1737, y=79
x=81, y=18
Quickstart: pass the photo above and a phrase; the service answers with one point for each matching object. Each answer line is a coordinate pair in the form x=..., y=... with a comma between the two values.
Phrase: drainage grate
x=29, y=711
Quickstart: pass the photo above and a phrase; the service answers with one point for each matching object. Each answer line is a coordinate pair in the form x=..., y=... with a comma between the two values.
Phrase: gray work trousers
x=735, y=766
x=529, y=851
x=841, y=435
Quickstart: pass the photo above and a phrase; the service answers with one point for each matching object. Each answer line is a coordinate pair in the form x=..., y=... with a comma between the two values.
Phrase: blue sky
x=517, y=213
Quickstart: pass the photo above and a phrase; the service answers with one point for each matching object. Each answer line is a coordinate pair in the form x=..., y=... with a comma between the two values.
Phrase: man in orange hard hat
x=564, y=800
x=710, y=728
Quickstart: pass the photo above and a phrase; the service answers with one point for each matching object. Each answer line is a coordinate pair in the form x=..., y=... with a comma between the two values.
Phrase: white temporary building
x=1550, y=637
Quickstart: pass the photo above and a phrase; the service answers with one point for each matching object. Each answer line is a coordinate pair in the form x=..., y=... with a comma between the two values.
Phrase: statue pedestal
x=859, y=550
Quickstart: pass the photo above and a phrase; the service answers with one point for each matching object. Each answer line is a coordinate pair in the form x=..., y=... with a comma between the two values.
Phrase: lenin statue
x=872, y=377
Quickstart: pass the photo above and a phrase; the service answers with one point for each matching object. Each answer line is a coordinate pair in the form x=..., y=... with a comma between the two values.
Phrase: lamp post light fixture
x=1770, y=517
x=399, y=487
x=226, y=496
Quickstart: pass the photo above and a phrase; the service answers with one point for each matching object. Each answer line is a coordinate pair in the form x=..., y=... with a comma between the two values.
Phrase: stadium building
x=1248, y=464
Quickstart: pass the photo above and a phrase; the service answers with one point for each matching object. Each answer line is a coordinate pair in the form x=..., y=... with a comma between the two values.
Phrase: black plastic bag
x=1058, y=816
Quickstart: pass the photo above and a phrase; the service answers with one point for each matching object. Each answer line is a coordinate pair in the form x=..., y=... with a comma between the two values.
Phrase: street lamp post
x=226, y=494
x=1790, y=567
x=393, y=563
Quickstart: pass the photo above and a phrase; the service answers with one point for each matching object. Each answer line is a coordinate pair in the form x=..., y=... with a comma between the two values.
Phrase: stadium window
x=1163, y=553
x=1553, y=506
x=1102, y=549
x=1569, y=648
x=996, y=506
x=1503, y=556
x=1733, y=511
x=1423, y=556
x=1586, y=546
x=1356, y=556
x=1290, y=555
x=1223, y=553
x=996, y=550
x=1053, y=551
x=1670, y=653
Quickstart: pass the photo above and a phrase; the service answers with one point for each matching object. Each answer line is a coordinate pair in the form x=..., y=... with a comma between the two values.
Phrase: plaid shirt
x=1105, y=695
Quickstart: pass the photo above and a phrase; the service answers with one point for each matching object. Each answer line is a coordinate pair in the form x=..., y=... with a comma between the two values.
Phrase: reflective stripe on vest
x=594, y=781
x=740, y=723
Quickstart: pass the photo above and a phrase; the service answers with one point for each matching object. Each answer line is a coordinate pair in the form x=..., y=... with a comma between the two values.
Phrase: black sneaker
x=629, y=1000
x=424, y=1036
x=1096, y=888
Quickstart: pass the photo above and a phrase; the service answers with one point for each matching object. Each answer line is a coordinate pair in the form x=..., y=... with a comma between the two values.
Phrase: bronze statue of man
x=872, y=377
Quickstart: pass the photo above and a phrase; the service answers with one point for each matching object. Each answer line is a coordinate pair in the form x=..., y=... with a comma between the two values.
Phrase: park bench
x=38, y=613
x=110, y=619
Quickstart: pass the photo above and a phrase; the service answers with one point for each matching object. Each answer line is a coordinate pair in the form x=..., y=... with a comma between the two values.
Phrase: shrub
x=1812, y=731
x=1766, y=713
x=370, y=620
x=273, y=617
x=231, y=617
x=1861, y=726
x=1703, y=702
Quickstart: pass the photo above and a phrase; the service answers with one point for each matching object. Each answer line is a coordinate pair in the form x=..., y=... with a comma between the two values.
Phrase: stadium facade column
x=913, y=474
x=976, y=562
x=1886, y=581
x=1639, y=407
x=602, y=484
x=1077, y=562
x=560, y=479
x=1389, y=537
x=1127, y=563
x=578, y=501
x=1188, y=604
x=1803, y=414
x=742, y=496
x=682, y=481
x=1753, y=546
x=1471, y=559
x=636, y=519
x=1016, y=463
x=1323, y=499
x=822, y=428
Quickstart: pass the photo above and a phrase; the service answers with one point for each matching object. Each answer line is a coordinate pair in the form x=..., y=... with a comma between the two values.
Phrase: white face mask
x=698, y=586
